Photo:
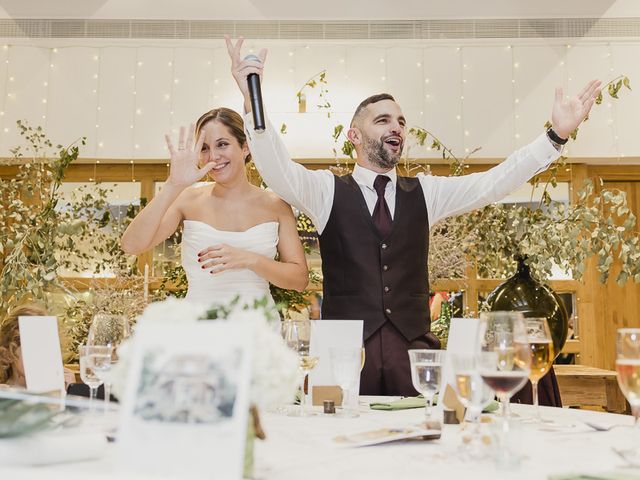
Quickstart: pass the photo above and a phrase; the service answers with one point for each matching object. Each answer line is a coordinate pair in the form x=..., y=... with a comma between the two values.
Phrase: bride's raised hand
x=184, y=170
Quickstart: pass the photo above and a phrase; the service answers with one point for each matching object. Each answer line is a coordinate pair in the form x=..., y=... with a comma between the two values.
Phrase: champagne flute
x=542, y=355
x=628, y=369
x=426, y=368
x=297, y=334
x=108, y=330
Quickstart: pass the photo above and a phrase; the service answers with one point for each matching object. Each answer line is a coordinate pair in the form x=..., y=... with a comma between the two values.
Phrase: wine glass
x=542, y=356
x=92, y=364
x=296, y=334
x=504, y=363
x=504, y=359
x=474, y=394
x=108, y=330
x=346, y=364
x=426, y=369
x=628, y=369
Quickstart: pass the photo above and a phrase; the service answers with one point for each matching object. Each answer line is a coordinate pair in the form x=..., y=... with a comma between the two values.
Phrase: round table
x=303, y=449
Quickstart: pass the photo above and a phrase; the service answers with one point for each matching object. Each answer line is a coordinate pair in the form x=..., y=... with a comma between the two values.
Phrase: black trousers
x=386, y=368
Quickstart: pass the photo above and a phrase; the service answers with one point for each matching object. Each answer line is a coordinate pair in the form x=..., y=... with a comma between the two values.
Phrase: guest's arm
x=310, y=191
x=447, y=196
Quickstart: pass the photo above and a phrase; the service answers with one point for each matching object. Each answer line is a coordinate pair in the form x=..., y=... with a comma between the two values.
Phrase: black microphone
x=256, y=98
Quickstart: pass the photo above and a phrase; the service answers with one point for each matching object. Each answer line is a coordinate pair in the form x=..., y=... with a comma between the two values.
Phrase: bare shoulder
x=196, y=191
x=275, y=203
x=191, y=195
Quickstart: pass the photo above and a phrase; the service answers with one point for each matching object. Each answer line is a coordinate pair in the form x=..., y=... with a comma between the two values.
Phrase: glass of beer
x=542, y=355
x=628, y=369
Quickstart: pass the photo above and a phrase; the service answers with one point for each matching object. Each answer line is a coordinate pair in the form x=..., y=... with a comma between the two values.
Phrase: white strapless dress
x=223, y=287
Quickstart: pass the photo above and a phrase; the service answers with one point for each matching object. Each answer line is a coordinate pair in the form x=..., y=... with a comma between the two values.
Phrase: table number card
x=186, y=405
x=462, y=341
x=41, y=355
x=327, y=334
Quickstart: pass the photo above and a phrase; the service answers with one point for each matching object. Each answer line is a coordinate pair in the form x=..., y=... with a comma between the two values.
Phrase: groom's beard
x=378, y=155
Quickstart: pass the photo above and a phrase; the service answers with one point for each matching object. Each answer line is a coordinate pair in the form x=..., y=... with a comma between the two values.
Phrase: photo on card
x=186, y=388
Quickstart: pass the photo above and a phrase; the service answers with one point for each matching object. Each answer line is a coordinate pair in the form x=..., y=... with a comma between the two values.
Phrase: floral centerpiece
x=274, y=368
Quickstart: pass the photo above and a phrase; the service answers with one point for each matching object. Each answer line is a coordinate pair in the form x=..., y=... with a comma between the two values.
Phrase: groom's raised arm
x=447, y=196
x=311, y=191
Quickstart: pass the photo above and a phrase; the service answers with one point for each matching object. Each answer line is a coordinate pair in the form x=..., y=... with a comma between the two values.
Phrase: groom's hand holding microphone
x=248, y=74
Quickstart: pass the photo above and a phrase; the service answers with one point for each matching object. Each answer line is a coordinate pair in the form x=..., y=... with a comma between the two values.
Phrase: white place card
x=185, y=409
x=327, y=334
x=462, y=341
x=41, y=354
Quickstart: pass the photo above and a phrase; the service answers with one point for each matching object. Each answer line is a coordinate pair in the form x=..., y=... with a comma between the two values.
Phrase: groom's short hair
x=368, y=101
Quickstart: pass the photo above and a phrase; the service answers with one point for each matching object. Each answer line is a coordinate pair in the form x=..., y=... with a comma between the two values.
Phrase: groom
x=373, y=225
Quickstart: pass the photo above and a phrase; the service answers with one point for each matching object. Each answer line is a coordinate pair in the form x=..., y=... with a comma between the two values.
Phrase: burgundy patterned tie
x=381, y=214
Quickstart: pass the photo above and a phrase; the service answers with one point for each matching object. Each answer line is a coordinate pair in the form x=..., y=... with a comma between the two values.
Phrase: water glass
x=475, y=395
x=426, y=370
x=346, y=364
x=93, y=363
x=108, y=330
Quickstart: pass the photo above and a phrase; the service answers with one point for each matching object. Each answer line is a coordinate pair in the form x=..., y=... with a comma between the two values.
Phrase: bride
x=231, y=228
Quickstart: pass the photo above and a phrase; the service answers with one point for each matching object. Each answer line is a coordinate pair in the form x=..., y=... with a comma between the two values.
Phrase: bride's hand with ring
x=184, y=170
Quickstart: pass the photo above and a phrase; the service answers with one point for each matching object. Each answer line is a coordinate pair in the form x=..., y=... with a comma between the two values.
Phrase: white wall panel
x=24, y=84
x=538, y=70
x=116, y=103
x=442, y=90
x=120, y=96
x=72, y=97
x=487, y=101
x=626, y=111
x=153, y=80
x=193, y=94
x=587, y=62
x=405, y=81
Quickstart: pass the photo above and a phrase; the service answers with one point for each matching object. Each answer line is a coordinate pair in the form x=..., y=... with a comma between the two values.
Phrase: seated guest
x=11, y=369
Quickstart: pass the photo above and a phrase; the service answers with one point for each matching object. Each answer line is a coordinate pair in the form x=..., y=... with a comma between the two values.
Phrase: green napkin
x=402, y=404
x=417, y=402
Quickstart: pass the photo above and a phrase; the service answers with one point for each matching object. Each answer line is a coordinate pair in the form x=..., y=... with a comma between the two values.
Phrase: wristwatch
x=555, y=139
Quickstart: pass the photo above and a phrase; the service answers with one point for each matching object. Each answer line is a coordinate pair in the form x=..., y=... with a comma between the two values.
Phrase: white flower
x=274, y=376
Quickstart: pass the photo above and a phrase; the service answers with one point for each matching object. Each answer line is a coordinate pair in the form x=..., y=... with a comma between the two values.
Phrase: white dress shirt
x=312, y=191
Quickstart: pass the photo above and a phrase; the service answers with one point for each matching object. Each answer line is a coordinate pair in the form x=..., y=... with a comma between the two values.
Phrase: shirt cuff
x=249, y=128
x=543, y=151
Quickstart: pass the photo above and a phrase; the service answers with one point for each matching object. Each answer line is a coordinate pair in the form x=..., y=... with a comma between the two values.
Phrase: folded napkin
x=402, y=404
x=52, y=447
x=417, y=402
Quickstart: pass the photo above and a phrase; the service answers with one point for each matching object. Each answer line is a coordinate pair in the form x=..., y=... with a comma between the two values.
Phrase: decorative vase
x=302, y=103
x=524, y=294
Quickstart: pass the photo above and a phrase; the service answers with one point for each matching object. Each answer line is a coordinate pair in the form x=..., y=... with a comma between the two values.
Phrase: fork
x=602, y=428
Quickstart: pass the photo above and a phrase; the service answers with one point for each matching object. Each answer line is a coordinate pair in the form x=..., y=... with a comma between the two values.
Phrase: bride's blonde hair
x=10, y=337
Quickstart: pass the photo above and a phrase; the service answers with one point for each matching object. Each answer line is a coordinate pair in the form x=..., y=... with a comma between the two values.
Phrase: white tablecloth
x=302, y=449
